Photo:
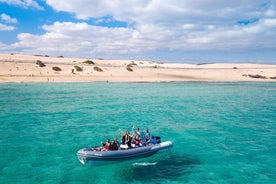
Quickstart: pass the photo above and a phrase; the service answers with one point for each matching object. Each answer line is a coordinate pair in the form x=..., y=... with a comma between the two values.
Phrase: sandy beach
x=24, y=68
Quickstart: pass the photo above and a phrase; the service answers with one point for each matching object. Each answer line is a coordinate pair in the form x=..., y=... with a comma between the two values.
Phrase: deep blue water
x=222, y=132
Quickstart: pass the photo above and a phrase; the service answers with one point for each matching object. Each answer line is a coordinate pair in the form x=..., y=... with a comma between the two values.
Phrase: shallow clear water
x=222, y=132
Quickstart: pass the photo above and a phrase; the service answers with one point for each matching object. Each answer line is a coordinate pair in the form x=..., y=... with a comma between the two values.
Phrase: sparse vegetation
x=257, y=76
x=129, y=69
x=60, y=57
x=98, y=69
x=40, y=63
x=131, y=64
x=56, y=68
x=89, y=62
x=78, y=69
x=235, y=67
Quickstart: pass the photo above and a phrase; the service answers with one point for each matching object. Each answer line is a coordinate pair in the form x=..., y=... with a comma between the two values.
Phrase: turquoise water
x=222, y=132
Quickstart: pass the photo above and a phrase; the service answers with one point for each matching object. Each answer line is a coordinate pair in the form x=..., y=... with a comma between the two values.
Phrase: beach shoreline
x=17, y=68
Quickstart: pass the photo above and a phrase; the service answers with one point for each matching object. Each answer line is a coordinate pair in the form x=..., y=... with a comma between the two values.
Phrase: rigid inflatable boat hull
x=88, y=155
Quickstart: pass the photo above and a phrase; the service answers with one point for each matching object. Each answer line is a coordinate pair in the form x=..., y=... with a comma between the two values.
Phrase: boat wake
x=144, y=163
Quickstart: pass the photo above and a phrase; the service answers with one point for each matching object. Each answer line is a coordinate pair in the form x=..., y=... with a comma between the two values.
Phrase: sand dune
x=24, y=68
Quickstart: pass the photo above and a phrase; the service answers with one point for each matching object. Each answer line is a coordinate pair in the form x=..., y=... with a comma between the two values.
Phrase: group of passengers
x=130, y=141
x=110, y=146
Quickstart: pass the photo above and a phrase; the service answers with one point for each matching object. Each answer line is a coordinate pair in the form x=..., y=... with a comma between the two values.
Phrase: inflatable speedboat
x=93, y=154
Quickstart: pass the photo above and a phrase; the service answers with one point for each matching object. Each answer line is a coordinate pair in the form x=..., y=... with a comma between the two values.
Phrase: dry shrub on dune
x=89, y=62
x=39, y=63
x=56, y=68
x=98, y=69
x=129, y=69
x=78, y=69
x=131, y=64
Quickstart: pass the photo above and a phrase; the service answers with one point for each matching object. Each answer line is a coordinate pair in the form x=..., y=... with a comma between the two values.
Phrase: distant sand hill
x=24, y=68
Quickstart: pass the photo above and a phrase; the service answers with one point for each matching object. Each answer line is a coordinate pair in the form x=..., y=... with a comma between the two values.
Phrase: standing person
x=147, y=134
x=136, y=132
x=152, y=140
x=128, y=139
x=144, y=141
x=123, y=139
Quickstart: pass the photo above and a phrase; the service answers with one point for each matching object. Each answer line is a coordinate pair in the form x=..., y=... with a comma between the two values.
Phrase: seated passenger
x=115, y=144
x=126, y=141
x=106, y=146
x=152, y=140
x=137, y=141
x=123, y=139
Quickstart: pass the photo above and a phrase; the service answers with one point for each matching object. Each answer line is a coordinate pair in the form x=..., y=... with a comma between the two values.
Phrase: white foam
x=144, y=163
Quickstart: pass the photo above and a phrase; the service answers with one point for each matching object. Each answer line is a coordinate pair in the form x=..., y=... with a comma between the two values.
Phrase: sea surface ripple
x=222, y=132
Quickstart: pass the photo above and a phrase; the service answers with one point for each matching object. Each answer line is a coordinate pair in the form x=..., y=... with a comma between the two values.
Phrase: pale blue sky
x=191, y=31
